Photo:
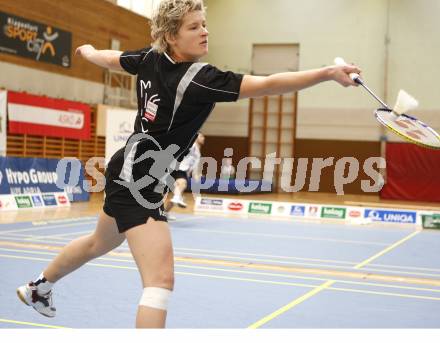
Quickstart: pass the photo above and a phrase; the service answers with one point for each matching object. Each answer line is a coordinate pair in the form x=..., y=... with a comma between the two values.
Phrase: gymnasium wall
x=354, y=29
x=94, y=22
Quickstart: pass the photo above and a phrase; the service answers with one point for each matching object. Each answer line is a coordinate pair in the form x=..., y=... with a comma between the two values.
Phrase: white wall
x=23, y=79
x=353, y=29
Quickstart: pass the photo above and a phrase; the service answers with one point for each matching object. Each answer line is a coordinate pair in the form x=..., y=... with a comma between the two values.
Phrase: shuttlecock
x=404, y=103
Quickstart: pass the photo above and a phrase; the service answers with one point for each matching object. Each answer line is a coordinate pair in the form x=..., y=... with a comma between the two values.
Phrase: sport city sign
x=390, y=216
x=26, y=38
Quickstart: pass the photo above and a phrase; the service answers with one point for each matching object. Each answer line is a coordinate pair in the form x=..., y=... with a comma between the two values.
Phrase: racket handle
x=354, y=76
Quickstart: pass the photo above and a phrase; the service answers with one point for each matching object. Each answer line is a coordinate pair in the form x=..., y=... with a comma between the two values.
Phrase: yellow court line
x=310, y=271
x=291, y=305
x=400, y=269
x=326, y=284
x=32, y=324
x=240, y=271
x=384, y=251
x=282, y=283
x=401, y=272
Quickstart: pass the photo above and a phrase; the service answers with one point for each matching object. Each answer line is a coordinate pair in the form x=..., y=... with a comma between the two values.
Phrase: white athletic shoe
x=43, y=304
x=170, y=217
x=178, y=200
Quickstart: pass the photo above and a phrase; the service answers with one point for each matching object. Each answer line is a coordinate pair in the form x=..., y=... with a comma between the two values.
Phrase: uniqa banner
x=37, y=176
x=119, y=127
x=40, y=42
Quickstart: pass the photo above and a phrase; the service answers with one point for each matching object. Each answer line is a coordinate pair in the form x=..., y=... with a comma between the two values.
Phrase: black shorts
x=179, y=174
x=128, y=213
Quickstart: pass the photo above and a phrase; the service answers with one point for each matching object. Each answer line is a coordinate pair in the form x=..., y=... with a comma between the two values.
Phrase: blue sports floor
x=238, y=273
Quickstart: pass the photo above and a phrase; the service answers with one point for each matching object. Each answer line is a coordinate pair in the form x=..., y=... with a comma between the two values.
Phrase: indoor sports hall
x=307, y=204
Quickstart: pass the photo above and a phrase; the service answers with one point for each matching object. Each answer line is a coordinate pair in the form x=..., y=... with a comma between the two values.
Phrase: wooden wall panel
x=310, y=148
x=215, y=145
x=90, y=22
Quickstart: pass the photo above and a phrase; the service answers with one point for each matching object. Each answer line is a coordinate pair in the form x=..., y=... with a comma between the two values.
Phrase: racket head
x=409, y=128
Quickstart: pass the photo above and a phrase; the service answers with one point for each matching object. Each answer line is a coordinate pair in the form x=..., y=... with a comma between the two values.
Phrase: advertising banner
x=43, y=116
x=391, y=216
x=119, y=127
x=3, y=134
x=30, y=39
x=36, y=176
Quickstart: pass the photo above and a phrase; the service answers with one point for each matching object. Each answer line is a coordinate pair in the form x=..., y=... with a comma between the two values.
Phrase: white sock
x=43, y=286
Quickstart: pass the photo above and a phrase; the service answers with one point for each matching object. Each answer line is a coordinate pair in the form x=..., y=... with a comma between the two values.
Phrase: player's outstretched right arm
x=256, y=86
x=104, y=58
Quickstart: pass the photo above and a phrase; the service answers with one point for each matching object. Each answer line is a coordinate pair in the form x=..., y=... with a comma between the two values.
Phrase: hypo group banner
x=37, y=176
x=27, y=38
x=119, y=127
x=3, y=134
x=38, y=115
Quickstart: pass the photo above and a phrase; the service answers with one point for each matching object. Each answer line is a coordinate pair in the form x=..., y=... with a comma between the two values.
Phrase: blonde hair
x=168, y=19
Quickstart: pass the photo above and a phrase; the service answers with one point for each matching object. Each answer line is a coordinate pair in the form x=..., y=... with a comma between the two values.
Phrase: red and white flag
x=3, y=135
x=43, y=116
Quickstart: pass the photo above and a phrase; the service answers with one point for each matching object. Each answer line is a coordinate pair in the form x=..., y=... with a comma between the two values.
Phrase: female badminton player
x=176, y=93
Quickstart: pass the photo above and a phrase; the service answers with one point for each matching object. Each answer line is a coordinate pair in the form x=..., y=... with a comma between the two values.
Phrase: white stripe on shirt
x=213, y=89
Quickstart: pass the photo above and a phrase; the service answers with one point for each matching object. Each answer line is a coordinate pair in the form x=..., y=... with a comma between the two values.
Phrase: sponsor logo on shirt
x=260, y=208
x=151, y=111
x=298, y=211
x=406, y=217
x=333, y=212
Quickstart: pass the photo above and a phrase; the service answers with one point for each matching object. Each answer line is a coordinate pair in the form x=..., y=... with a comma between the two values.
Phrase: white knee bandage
x=155, y=297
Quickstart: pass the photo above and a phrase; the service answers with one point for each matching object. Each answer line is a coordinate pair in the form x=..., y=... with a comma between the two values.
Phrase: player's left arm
x=104, y=58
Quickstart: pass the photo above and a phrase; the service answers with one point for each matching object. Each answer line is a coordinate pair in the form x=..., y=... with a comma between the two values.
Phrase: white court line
x=265, y=255
x=39, y=228
x=75, y=224
x=80, y=233
x=64, y=220
x=238, y=233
